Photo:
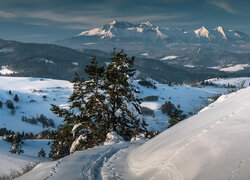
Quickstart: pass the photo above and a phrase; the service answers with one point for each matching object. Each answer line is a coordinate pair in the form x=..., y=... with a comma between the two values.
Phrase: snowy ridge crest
x=146, y=30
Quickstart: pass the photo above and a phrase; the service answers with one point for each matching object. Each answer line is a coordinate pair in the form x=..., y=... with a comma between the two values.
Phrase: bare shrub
x=14, y=174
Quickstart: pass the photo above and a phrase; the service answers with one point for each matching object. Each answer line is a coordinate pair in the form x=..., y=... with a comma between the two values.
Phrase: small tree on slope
x=105, y=103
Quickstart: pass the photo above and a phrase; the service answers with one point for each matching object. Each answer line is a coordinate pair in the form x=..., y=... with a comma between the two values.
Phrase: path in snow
x=81, y=165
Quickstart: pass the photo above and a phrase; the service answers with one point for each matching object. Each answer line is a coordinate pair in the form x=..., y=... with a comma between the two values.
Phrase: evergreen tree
x=16, y=147
x=176, y=117
x=123, y=105
x=105, y=103
x=41, y=153
x=16, y=98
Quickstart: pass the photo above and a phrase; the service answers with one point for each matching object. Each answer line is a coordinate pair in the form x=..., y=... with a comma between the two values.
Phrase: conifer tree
x=41, y=153
x=16, y=147
x=16, y=98
x=123, y=104
x=176, y=117
x=106, y=102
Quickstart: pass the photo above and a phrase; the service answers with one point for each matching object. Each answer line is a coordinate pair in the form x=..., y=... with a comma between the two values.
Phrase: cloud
x=5, y=14
x=32, y=35
x=224, y=5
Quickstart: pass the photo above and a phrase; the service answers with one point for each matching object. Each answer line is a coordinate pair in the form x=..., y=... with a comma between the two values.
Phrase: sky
x=49, y=20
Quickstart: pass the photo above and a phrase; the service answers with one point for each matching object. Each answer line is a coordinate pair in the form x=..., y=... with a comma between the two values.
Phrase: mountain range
x=146, y=36
x=163, y=54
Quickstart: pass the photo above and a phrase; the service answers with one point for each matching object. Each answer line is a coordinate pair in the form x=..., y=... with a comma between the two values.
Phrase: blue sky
x=50, y=20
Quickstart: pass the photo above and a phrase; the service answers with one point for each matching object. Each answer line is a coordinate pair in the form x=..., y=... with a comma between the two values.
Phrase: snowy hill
x=214, y=144
x=13, y=162
x=36, y=96
x=211, y=145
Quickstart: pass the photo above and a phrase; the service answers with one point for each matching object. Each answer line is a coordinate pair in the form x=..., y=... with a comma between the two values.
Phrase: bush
x=168, y=108
x=176, y=117
x=151, y=98
x=4, y=131
x=13, y=111
x=9, y=104
x=29, y=120
x=147, y=84
x=16, y=98
x=44, y=135
x=1, y=104
x=46, y=122
x=147, y=111
x=15, y=174
x=41, y=153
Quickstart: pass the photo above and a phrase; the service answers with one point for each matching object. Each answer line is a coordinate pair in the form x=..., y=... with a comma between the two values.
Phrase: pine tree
x=41, y=153
x=106, y=102
x=176, y=117
x=16, y=147
x=123, y=105
x=16, y=98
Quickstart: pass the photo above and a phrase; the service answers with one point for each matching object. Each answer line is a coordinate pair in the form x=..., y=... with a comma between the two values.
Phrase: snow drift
x=213, y=144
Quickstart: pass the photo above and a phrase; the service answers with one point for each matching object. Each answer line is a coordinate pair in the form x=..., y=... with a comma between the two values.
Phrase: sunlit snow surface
x=210, y=145
x=35, y=98
x=4, y=70
x=214, y=144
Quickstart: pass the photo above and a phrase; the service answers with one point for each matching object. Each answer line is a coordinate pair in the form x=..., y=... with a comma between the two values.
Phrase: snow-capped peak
x=202, y=32
x=220, y=29
x=124, y=29
x=147, y=23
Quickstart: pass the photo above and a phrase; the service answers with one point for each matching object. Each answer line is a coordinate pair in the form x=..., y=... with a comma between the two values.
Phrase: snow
x=238, y=82
x=112, y=138
x=120, y=29
x=77, y=142
x=13, y=162
x=220, y=29
x=145, y=54
x=169, y=58
x=191, y=100
x=235, y=68
x=209, y=138
x=231, y=68
x=75, y=63
x=80, y=165
x=6, y=50
x=214, y=144
x=5, y=71
x=202, y=32
x=46, y=61
x=190, y=66
x=31, y=102
x=210, y=145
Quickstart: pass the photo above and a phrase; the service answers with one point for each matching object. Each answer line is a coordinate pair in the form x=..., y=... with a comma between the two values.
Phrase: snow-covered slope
x=214, y=144
x=35, y=96
x=237, y=82
x=190, y=99
x=13, y=162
